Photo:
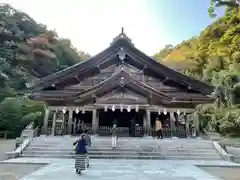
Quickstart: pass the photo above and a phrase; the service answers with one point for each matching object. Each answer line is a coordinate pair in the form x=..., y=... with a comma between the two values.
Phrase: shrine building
x=120, y=84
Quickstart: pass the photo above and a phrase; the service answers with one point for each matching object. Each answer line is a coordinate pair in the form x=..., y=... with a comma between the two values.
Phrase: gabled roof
x=122, y=44
x=120, y=79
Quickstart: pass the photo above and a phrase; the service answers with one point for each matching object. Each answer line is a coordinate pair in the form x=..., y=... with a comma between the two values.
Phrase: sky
x=91, y=25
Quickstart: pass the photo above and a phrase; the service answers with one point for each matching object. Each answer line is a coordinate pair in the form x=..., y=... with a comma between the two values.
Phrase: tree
x=10, y=116
x=28, y=51
x=215, y=58
x=229, y=4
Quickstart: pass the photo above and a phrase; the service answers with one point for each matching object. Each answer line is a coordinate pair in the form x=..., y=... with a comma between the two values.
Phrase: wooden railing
x=123, y=131
x=168, y=132
x=89, y=128
x=104, y=130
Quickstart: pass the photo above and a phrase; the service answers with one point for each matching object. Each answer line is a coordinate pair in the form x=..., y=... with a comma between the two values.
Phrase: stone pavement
x=6, y=145
x=13, y=171
x=61, y=169
x=224, y=173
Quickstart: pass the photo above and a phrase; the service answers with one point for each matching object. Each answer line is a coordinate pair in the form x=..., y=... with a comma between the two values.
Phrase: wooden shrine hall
x=120, y=85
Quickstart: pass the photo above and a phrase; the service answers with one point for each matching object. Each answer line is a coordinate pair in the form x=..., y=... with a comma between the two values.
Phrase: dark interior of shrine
x=165, y=119
x=123, y=119
x=86, y=117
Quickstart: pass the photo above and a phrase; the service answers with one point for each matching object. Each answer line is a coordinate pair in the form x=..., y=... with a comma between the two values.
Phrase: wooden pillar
x=53, y=123
x=186, y=125
x=148, y=122
x=172, y=126
x=196, y=123
x=144, y=124
x=70, y=121
x=62, y=130
x=45, y=123
x=94, y=121
x=74, y=125
x=97, y=122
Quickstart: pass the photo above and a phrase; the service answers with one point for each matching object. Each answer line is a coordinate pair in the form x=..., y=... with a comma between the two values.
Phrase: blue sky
x=92, y=24
x=182, y=19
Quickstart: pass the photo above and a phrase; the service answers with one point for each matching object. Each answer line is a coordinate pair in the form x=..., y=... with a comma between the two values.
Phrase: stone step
x=127, y=157
x=168, y=146
x=196, y=150
x=125, y=139
x=122, y=153
x=128, y=148
x=128, y=141
x=127, y=145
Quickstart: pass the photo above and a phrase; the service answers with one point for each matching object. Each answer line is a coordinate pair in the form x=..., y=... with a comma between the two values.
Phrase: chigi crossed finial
x=122, y=32
x=122, y=35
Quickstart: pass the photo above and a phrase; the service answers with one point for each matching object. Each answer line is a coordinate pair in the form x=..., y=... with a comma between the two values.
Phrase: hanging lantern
x=137, y=108
x=178, y=112
x=105, y=108
x=159, y=111
x=77, y=110
x=121, y=108
x=113, y=108
x=128, y=108
x=165, y=112
x=64, y=110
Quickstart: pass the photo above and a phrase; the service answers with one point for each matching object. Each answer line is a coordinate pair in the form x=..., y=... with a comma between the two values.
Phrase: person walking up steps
x=114, y=133
x=81, y=154
x=89, y=143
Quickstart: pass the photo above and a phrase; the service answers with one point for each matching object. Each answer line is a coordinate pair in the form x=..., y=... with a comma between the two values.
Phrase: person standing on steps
x=81, y=126
x=89, y=143
x=114, y=132
x=81, y=154
x=133, y=127
x=158, y=125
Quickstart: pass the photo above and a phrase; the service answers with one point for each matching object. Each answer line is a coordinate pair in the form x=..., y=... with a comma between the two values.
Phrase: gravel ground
x=5, y=146
x=226, y=173
x=16, y=171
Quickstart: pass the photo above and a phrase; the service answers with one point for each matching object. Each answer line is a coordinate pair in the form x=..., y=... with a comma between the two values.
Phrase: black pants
x=159, y=134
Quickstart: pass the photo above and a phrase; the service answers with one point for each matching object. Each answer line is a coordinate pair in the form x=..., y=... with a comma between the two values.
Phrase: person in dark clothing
x=81, y=154
x=89, y=143
x=132, y=127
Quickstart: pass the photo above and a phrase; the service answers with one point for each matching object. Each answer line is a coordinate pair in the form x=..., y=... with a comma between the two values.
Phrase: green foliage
x=28, y=51
x=228, y=118
x=17, y=113
x=214, y=57
x=10, y=116
x=228, y=4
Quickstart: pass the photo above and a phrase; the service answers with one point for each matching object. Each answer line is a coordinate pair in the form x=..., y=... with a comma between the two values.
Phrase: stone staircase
x=128, y=148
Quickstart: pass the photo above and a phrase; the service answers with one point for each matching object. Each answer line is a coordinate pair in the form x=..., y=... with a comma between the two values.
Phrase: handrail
x=25, y=139
x=35, y=132
x=226, y=156
x=4, y=133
